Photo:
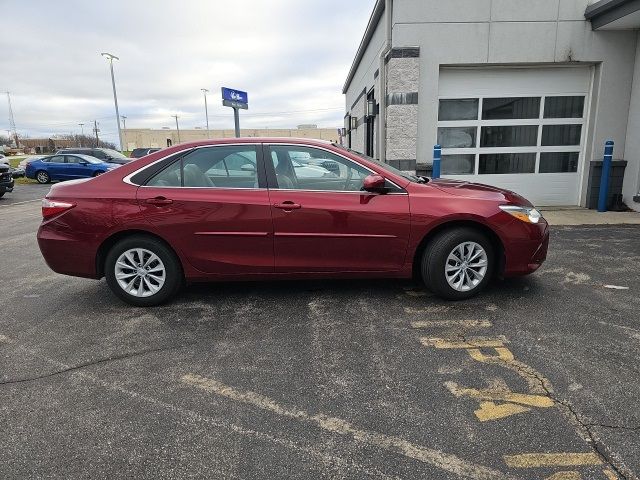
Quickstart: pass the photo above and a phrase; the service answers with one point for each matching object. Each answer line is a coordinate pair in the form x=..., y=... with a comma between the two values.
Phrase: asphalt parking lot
x=538, y=378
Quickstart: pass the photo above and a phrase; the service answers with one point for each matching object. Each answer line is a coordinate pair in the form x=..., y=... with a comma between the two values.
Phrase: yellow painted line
x=469, y=342
x=537, y=460
x=444, y=461
x=611, y=475
x=500, y=395
x=504, y=355
x=451, y=323
x=492, y=411
x=572, y=475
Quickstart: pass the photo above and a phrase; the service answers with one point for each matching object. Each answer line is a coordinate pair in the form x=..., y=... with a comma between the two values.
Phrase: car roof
x=284, y=140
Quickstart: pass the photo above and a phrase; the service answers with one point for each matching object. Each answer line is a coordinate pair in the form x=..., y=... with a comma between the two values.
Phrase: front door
x=213, y=204
x=324, y=222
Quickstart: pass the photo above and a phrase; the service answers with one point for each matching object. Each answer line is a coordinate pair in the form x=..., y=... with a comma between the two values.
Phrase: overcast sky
x=292, y=56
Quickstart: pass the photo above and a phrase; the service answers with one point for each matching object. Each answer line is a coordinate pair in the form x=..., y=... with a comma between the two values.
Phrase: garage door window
x=511, y=135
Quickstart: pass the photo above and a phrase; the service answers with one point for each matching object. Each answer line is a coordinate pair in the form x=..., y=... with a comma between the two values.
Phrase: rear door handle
x=288, y=205
x=159, y=201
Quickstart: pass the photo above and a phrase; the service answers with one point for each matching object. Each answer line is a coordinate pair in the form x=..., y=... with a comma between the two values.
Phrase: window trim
x=271, y=173
x=260, y=171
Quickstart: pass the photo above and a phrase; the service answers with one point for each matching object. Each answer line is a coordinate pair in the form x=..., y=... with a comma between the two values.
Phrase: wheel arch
x=496, y=242
x=114, y=238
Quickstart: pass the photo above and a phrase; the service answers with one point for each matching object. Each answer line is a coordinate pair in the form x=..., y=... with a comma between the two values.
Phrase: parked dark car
x=6, y=179
x=67, y=167
x=142, y=152
x=104, y=154
x=191, y=212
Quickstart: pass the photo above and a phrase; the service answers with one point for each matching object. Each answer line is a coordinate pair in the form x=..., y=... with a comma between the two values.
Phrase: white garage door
x=518, y=128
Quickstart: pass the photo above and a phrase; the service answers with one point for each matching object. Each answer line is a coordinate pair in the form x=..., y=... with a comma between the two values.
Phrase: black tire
x=2, y=194
x=42, y=177
x=435, y=257
x=174, y=276
x=95, y=174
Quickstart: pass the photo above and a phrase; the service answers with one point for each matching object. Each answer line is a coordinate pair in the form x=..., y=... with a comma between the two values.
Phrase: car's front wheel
x=43, y=177
x=458, y=263
x=143, y=271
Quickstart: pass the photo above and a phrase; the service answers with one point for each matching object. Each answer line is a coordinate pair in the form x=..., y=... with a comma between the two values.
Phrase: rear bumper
x=525, y=256
x=67, y=255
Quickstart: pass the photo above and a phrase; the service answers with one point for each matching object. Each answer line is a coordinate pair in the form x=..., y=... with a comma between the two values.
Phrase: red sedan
x=259, y=208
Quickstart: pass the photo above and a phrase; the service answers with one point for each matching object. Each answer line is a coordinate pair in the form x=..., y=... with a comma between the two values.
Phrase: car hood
x=479, y=190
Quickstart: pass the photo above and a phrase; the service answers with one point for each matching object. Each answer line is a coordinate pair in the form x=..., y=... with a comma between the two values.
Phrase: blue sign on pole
x=236, y=96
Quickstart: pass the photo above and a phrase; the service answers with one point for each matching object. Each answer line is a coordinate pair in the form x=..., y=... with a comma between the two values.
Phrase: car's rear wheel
x=143, y=271
x=43, y=177
x=97, y=173
x=458, y=263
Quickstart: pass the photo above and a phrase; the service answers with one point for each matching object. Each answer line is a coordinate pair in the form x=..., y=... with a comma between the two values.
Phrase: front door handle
x=288, y=205
x=159, y=201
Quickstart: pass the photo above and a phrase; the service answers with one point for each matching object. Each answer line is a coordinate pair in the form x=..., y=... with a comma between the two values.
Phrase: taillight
x=51, y=208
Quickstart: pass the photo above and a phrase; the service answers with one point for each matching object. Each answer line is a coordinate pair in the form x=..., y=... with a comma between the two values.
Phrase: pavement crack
x=599, y=448
x=81, y=366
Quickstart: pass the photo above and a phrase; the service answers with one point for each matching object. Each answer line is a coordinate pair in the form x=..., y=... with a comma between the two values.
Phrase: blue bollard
x=604, y=179
x=437, y=159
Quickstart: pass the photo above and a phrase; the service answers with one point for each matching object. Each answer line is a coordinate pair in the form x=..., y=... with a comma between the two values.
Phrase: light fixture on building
x=371, y=108
x=354, y=123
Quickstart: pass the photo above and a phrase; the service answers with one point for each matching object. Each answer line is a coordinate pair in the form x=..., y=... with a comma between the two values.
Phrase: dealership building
x=520, y=94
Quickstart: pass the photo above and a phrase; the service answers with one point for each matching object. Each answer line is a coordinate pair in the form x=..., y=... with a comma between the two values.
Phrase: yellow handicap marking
x=503, y=355
x=470, y=342
x=538, y=460
x=512, y=403
x=572, y=475
x=451, y=323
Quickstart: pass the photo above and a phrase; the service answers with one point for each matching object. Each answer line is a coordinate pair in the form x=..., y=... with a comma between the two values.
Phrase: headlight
x=526, y=214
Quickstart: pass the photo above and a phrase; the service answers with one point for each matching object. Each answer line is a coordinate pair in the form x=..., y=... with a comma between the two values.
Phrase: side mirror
x=248, y=167
x=374, y=183
x=84, y=163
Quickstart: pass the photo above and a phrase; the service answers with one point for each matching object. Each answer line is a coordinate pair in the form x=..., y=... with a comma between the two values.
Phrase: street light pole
x=111, y=57
x=206, y=110
x=81, y=132
x=177, y=127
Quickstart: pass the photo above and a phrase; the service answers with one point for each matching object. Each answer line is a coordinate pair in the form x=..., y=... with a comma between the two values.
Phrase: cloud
x=291, y=56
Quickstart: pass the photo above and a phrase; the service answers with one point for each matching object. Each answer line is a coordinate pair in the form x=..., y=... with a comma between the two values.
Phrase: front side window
x=307, y=168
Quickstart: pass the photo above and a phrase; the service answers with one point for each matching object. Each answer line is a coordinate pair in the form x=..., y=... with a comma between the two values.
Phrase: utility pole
x=206, y=110
x=177, y=127
x=96, y=130
x=124, y=129
x=111, y=57
x=81, y=132
x=12, y=122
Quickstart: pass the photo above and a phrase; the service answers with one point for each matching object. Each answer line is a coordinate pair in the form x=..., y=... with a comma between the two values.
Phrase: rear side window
x=230, y=166
x=169, y=177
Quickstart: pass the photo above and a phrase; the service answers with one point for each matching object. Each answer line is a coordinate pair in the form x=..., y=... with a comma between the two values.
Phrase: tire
x=442, y=263
x=95, y=174
x=42, y=177
x=149, y=287
x=2, y=194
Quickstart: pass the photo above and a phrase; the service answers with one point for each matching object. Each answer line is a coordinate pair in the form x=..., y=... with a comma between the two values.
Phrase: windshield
x=386, y=166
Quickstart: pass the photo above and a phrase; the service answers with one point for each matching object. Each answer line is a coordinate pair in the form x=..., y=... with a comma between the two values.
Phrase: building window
x=511, y=135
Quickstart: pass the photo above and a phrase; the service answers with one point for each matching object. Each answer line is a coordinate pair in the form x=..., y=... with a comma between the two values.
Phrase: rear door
x=57, y=168
x=324, y=222
x=219, y=217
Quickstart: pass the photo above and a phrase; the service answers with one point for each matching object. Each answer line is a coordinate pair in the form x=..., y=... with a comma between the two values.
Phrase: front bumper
x=525, y=256
x=7, y=186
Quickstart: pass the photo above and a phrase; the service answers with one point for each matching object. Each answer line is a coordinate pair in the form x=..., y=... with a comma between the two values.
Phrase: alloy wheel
x=466, y=266
x=140, y=272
